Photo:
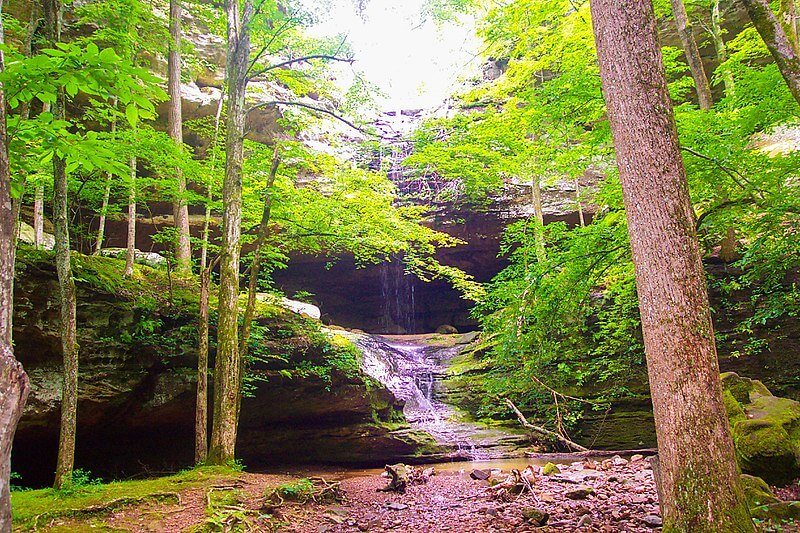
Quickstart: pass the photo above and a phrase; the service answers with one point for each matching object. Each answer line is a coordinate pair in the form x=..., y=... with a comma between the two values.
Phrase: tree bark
x=536, y=202
x=25, y=110
x=201, y=405
x=227, y=369
x=255, y=266
x=788, y=18
x=38, y=217
x=581, y=217
x=693, y=58
x=67, y=327
x=13, y=381
x=701, y=489
x=130, y=251
x=180, y=208
x=784, y=54
x=720, y=48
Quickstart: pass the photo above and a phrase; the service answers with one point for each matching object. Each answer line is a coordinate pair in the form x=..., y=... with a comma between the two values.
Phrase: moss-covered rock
x=756, y=491
x=777, y=512
x=550, y=469
x=306, y=397
x=766, y=429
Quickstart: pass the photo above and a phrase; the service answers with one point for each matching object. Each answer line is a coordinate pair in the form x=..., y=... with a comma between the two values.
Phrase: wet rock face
x=137, y=395
x=381, y=299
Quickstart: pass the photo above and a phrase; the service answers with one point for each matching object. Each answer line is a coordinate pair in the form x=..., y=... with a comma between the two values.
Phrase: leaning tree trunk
x=784, y=54
x=538, y=212
x=67, y=327
x=701, y=490
x=255, y=266
x=13, y=381
x=227, y=369
x=180, y=208
x=692, y=54
x=130, y=251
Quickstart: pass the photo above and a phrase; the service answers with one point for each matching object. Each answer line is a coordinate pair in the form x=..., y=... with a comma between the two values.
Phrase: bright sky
x=416, y=65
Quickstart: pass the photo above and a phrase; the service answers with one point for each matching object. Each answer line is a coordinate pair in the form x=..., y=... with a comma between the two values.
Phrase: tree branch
x=310, y=107
x=542, y=431
x=299, y=60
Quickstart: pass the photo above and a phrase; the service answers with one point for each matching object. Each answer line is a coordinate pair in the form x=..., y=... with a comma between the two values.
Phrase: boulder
x=756, y=491
x=446, y=329
x=27, y=235
x=766, y=429
x=151, y=259
x=777, y=512
x=535, y=517
x=549, y=469
x=579, y=493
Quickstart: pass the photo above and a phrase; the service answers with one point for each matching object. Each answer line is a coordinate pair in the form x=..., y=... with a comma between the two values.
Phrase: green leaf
x=132, y=114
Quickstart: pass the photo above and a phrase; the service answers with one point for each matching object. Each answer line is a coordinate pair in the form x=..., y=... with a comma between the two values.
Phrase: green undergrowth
x=34, y=508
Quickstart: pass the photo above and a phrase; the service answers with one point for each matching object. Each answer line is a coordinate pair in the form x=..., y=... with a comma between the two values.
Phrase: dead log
x=399, y=478
x=542, y=431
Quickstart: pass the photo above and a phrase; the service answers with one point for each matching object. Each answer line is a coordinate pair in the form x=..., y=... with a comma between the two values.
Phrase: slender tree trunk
x=13, y=381
x=101, y=226
x=255, y=266
x=784, y=54
x=536, y=201
x=201, y=408
x=38, y=217
x=130, y=253
x=693, y=58
x=201, y=412
x=38, y=206
x=67, y=327
x=701, y=490
x=581, y=218
x=180, y=208
x=227, y=369
x=25, y=110
x=788, y=18
x=719, y=47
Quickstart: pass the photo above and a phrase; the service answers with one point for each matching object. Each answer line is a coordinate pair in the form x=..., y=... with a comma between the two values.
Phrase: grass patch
x=35, y=507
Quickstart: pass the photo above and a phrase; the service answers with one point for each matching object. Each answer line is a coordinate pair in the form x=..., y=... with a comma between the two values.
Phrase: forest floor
x=613, y=497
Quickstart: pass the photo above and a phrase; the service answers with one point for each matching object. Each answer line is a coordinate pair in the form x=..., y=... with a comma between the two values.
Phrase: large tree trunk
x=13, y=381
x=701, y=489
x=692, y=55
x=180, y=208
x=130, y=251
x=227, y=370
x=255, y=266
x=67, y=327
x=784, y=54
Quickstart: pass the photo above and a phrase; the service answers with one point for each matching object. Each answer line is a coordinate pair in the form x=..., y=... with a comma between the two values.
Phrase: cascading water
x=411, y=372
x=398, y=299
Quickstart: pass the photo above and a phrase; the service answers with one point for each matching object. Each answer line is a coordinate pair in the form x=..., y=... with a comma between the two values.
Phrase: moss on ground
x=33, y=508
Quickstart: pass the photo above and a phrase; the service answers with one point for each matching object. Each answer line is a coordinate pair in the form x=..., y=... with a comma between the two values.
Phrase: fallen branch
x=542, y=431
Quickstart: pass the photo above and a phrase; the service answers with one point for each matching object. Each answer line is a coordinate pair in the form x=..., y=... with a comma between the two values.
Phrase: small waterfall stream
x=411, y=369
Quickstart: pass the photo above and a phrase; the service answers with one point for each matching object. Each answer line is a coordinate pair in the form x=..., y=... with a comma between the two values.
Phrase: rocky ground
x=614, y=495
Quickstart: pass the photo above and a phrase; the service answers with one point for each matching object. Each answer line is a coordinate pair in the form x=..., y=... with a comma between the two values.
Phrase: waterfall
x=398, y=306
x=411, y=372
